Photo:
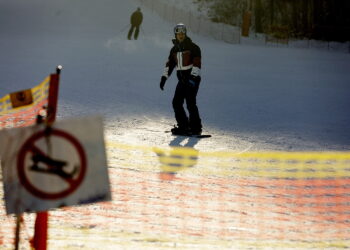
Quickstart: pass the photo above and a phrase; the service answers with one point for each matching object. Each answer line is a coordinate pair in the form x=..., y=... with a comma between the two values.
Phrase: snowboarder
x=135, y=20
x=186, y=57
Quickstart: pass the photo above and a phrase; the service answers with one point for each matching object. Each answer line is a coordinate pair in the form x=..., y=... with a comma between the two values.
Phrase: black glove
x=162, y=82
x=194, y=81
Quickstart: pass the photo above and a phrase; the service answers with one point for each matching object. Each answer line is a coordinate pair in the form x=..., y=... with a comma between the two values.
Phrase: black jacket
x=184, y=56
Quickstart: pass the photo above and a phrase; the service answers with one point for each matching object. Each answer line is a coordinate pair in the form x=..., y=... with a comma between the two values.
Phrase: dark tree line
x=314, y=19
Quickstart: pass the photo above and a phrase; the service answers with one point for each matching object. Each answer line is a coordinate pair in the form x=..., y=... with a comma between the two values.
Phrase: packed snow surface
x=251, y=98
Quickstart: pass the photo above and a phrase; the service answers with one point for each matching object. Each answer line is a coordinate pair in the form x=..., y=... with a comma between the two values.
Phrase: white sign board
x=49, y=168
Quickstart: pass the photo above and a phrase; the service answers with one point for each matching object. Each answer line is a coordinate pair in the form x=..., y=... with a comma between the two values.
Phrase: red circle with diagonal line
x=29, y=147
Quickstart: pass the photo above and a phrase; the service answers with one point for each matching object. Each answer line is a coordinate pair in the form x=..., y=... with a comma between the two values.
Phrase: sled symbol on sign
x=31, y=159
x=53, y=166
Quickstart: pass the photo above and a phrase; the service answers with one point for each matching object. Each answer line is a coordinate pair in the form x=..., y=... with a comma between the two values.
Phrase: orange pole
x=40, y=234
x=41, y=221
x=53, y=96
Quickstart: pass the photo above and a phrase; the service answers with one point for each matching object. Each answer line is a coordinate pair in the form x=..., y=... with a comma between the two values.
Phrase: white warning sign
x=50, y=167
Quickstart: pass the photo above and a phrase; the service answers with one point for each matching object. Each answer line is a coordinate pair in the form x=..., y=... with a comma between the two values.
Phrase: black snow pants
x=137, y=30
x=186, y=92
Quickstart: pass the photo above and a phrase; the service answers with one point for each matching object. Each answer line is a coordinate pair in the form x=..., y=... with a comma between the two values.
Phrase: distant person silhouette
x=135, y=20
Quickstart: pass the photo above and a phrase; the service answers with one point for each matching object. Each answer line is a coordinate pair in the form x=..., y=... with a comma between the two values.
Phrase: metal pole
x=18, y=229
x=41, y=221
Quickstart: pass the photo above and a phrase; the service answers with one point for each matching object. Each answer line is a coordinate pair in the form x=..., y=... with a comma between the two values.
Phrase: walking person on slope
x=135, y=20
x=186, y=57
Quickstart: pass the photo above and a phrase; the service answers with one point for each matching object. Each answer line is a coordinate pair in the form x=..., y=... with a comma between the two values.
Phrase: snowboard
x=189, y=135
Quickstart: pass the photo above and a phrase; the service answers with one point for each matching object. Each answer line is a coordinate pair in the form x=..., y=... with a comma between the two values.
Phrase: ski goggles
x=180, y=29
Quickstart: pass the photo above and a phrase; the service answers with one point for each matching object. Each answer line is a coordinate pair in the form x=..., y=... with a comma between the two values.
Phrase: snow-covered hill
x=251, y=98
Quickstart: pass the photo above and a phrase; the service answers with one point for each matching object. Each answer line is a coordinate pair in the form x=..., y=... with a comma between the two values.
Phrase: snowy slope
x=251, y=98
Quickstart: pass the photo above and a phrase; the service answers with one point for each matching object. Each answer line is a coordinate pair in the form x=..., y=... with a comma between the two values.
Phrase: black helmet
x=180, y=28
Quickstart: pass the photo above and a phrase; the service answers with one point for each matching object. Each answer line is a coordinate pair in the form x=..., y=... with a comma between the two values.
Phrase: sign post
x=52, y=164
x=44, y=168
x=41, y=221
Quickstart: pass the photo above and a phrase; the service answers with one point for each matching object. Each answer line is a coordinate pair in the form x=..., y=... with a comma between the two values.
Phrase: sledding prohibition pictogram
x=32, y=160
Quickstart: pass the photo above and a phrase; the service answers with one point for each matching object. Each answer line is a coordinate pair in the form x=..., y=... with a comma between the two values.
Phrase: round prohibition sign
x=29, y=147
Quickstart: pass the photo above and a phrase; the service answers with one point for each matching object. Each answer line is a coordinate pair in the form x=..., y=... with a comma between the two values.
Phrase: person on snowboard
x=186, y=57
x=135, y=20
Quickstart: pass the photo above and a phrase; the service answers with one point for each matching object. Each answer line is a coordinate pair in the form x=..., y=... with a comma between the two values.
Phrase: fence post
x=239, y=35
x=173, y=15
x=222, y=32
x=164, y=11
x=199, y=26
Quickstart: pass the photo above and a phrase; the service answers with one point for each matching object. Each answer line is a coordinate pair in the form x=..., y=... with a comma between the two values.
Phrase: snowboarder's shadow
x=180, y=157
x=191, y=142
